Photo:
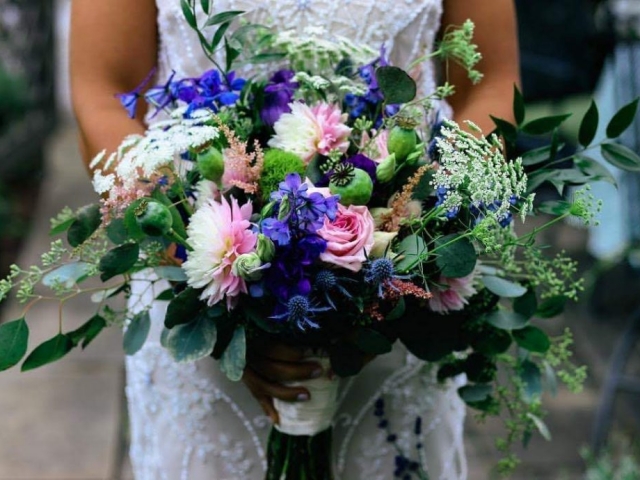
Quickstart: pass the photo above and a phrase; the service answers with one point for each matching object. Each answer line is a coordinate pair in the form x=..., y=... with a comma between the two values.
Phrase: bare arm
x=113, y=47
x=497, y=40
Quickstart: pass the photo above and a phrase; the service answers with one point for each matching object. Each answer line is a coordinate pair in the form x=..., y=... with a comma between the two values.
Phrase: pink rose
x=349, y=238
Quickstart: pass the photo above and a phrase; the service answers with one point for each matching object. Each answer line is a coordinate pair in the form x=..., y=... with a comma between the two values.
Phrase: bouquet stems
x=299, y=457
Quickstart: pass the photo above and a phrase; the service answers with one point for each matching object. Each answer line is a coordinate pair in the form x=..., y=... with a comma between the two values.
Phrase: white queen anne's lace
x=188, y=422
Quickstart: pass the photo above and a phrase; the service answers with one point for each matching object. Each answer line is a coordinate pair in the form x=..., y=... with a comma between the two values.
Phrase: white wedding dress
x=188, y=422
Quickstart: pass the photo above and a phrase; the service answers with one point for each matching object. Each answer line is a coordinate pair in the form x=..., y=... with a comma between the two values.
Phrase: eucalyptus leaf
x=475, y=393
x=532, y=380
x=233, y=359
x=68, y=275
x=117, y=231
x=526, y=305
x=136, y=333
x=396, y=85
x=551, y=307
x=456, y=256
x=622, y=119
x=589, y=125
x=14, y=337
x=166, y=295
x=88, y=331
x=87, y=221
x=544, y=125
x=372, y=341
x=48, y=352
x=413, y=250
x=192, y=341
x=532, y=338
x=118, y=260
x=183, y=308
x=506, y=320
x=541, y=426
x=502, y=287
x=206, y=5
x=171, y=273
x=620, y=156
x=62, y=227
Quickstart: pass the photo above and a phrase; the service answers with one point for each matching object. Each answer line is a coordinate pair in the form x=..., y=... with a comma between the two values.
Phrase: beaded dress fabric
x=188, y=421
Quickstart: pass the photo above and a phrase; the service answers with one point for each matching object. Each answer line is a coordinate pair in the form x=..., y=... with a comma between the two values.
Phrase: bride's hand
x=268, y=366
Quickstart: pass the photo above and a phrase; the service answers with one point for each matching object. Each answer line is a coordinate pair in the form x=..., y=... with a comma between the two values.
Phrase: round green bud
x=247, y=266
x=265, y=249
x=354, y=185
x=386, y=169
x=211, y=164
x=402, y=142
x=153, y=218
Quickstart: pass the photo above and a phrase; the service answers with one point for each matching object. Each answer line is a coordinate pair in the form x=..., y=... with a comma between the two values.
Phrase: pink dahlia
x=219, y=232
x=310, y=130
x=453, y=295
x=375, y=149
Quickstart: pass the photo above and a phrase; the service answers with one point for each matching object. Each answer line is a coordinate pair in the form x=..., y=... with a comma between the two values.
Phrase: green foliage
x=413, y=250
x=456, y=256
x=88, y=331
x=119, y=260
x=136, y=333
x=372, y=341
x=589, y=125
x=87, y=220
x=192, y=341
x=396, y=85
x=622, y=119
x=503, y=288
x=14, y=337
x=233, y=359
x=506, y=320
x=48, y=352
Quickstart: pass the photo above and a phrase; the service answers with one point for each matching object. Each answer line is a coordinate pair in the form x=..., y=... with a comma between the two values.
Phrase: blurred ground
x=67, y=421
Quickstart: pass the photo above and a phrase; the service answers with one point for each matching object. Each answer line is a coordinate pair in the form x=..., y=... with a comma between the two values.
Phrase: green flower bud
x=247, y=266
x=153, y=218
x=401, y=141
x=354, y=185
x=266, y=250
x=386, y=170
x=211, y=164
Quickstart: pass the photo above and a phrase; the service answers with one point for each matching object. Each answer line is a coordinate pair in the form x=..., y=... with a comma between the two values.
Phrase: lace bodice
x=406, y=27
x=189, y=422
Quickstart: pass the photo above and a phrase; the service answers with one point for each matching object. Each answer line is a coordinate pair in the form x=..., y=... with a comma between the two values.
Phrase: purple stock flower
x=130, y=99
x=278, y=94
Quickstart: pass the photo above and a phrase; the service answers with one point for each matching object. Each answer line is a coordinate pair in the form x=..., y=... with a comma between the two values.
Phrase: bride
x=188, y=422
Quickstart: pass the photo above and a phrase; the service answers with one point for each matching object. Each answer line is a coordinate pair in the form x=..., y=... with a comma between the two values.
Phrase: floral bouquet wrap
x=329, y=205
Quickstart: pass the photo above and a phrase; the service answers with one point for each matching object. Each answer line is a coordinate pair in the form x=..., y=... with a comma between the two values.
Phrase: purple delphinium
x=278, y=94
x=297, y=216
x=211, y=90
x=130, y=99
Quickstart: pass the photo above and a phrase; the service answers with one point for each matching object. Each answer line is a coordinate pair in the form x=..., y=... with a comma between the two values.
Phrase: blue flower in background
x=278, y=94
x=161, y=96
x=130, y=99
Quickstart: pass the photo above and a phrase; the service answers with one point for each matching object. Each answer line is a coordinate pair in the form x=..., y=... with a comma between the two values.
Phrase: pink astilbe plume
x=241, y=169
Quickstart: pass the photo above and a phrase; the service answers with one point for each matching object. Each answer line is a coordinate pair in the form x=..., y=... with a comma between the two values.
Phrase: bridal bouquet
x=330, y=205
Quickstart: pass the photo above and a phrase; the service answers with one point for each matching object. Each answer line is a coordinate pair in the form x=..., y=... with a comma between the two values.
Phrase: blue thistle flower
x=381, y=272
x=326, y=281
x=299, y=310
